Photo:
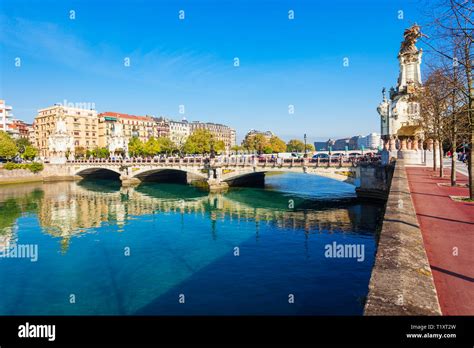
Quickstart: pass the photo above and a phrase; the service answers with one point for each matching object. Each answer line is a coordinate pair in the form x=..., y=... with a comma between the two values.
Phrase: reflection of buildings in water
x=67, y=209
x=7, y=238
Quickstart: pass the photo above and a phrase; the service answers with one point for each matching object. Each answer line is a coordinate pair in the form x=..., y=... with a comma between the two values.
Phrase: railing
x=331, y=161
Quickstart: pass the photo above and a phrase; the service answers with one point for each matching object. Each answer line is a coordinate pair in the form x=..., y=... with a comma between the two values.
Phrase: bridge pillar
x=128, y=181
x=374, y=181
x=214, y=181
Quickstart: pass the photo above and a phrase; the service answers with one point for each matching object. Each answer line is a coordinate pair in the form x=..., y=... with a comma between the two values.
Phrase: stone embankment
x=401, y=281
x=19, y=176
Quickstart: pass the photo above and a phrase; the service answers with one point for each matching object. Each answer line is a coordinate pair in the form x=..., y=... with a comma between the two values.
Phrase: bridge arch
x=168, y=174
x=98, y=172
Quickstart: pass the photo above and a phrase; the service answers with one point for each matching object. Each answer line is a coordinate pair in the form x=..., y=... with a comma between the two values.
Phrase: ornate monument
x=117, y=141
x=400, y=114
x=60, y=143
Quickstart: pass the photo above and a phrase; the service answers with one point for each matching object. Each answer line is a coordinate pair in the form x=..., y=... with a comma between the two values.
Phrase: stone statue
x=60, y=142
x=411, y=35
x=61, y=126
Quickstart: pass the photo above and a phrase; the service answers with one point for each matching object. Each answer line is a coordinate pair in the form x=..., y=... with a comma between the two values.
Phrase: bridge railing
x=330, y=161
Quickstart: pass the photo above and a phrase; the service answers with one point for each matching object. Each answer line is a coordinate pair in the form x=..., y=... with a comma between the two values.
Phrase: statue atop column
x=400, y=114
x=411, y=35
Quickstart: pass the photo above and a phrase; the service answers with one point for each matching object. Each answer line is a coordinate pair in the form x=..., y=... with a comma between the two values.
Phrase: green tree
x=295, y=145
x=236, y=148
x=219, y=145
x=135, y=147
x=8, y=148
x=22, y=143
x=198, y=142
x=166, y=145
x=151, y=147
x=276, y=145
x=30, y=152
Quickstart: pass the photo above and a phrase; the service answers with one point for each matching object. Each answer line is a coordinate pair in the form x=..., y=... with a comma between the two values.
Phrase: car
x=320, y=155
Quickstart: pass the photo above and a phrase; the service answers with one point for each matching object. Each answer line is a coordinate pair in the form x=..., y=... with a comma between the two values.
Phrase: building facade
x=141, y=127
x=179, y=131
x=81, y=124
x=220, y=132
x=6, y=119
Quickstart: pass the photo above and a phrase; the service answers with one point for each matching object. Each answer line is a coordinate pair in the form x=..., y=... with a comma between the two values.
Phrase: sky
x=191, y=61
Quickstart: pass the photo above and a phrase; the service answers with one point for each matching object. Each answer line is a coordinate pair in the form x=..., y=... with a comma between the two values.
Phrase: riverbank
x=401, y=282
x=448, y=233
x=19, y=176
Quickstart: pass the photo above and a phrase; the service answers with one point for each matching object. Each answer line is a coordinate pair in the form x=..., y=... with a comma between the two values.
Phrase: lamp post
x=305, y=149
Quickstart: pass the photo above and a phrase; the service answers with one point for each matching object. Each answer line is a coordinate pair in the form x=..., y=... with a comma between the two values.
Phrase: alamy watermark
x=77, y=105
x=354, y=251
x=20, y=251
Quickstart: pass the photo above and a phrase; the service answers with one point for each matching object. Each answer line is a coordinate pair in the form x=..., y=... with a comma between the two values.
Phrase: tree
x=151, y=147
x=237, y=148
x=255, y=142
x=22, y=143
x=8, y=148
x=451, y=34
x=310, y=147
x=166, y=145
x=79, y=151
x=135, y=147
x=434, y=105
x=200, y=142
x=29, y=153
x=295, y=145
x=277, y=145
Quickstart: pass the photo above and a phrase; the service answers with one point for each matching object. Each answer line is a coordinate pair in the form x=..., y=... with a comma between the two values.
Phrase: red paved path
x=446, y=224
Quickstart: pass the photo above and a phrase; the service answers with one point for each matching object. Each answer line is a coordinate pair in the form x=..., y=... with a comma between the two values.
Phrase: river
x=170, y=249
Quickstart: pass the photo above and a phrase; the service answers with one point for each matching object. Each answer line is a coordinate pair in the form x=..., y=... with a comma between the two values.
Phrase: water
x=116, y=251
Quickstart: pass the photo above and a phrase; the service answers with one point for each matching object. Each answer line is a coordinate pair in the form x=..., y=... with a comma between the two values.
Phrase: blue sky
x=190, y=62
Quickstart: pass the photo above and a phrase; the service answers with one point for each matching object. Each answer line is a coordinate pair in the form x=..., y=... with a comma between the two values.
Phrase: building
x=162, y=127
x=251, y=133
x=371, y=141
x=6, y=119
x=179, y=131
x=20, y=129
x=32, y=134
x=81, y=124
x=220, y=132
x=142, y=127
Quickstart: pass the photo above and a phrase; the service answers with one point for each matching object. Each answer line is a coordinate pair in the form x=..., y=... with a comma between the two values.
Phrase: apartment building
x=6, y=119
x=142, y=127
x=179, y=131
x=162, y=127
x=219, y=131
x=81, y=124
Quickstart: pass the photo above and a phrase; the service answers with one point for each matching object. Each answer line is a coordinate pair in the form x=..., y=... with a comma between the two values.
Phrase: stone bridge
x=217, y=174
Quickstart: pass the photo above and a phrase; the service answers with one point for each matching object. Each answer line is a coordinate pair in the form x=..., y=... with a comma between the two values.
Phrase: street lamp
x=305, y=149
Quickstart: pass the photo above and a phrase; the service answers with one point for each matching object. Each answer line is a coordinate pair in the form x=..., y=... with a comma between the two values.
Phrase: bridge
x=217, y=174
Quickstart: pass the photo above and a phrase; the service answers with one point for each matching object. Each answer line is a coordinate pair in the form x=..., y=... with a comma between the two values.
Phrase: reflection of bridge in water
x=67, y=209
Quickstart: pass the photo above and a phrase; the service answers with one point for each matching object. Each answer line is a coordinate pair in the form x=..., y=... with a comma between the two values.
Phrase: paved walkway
x=445, y=225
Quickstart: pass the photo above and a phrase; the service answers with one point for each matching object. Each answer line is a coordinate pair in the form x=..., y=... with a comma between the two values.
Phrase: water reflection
x=68, y=209
x=182, y=240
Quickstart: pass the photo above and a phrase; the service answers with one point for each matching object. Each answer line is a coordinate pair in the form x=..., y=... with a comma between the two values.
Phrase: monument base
x=411, y=157
x=429, y=157
x=57, y=160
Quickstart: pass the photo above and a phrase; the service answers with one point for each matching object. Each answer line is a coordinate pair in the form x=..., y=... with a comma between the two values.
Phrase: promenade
x=447, y=226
